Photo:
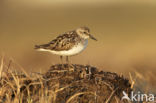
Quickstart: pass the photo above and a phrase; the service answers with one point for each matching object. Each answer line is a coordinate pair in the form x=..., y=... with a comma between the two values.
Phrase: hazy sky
x=92, y=2
x=125, y=30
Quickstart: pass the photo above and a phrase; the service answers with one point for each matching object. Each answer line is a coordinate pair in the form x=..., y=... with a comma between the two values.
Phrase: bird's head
x=84, y=33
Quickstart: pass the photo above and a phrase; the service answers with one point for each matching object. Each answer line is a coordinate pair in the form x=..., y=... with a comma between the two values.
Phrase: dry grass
x=61, y=84
x=66, y=84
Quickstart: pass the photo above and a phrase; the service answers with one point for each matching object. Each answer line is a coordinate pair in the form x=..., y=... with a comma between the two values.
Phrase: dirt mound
x=64, y=84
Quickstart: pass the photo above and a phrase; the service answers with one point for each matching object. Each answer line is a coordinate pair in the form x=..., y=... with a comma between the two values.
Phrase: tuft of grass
x=1, y=67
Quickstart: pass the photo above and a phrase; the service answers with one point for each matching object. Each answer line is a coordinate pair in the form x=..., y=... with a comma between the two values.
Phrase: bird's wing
x=63, y=42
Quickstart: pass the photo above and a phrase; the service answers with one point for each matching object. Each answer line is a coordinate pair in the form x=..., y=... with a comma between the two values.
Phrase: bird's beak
x=92, y=37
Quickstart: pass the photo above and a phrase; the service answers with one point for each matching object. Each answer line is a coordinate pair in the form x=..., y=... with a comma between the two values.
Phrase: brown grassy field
x=68, y=84
x=125, y=31
x=63, y=84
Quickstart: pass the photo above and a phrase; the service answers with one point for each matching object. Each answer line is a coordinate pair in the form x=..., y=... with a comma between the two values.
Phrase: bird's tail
x=44, y=46
x=37, y=47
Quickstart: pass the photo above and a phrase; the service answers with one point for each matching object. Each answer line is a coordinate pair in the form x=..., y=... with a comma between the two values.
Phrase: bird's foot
x=70, y=67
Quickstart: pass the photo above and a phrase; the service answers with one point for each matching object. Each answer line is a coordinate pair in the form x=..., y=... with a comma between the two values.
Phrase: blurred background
x=125, y=29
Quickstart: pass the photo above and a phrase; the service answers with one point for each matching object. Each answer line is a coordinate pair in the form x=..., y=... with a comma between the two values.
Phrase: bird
x=68, y=44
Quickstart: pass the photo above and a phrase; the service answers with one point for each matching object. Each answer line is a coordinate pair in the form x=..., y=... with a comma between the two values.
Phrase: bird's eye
x=85, y=32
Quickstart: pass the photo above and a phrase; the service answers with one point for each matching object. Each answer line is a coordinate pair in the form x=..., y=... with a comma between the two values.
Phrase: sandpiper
x=69, y=43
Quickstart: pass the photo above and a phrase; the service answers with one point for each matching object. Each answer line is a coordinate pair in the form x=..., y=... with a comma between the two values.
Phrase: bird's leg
x=67, y=59
x=69, y=64
x=61, y=57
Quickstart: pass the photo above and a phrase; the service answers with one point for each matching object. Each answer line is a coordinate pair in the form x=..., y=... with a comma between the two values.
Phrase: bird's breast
x=79, y=47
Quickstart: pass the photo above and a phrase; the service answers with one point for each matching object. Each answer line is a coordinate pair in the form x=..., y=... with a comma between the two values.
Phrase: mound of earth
x=64, y=84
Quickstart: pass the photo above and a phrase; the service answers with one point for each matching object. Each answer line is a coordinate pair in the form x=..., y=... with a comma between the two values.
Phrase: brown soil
x=65, y=84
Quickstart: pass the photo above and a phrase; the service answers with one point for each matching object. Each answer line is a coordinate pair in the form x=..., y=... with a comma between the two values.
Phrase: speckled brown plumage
x=63, y=42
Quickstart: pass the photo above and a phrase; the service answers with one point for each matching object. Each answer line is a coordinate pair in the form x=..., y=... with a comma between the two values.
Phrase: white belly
x=73, y=51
